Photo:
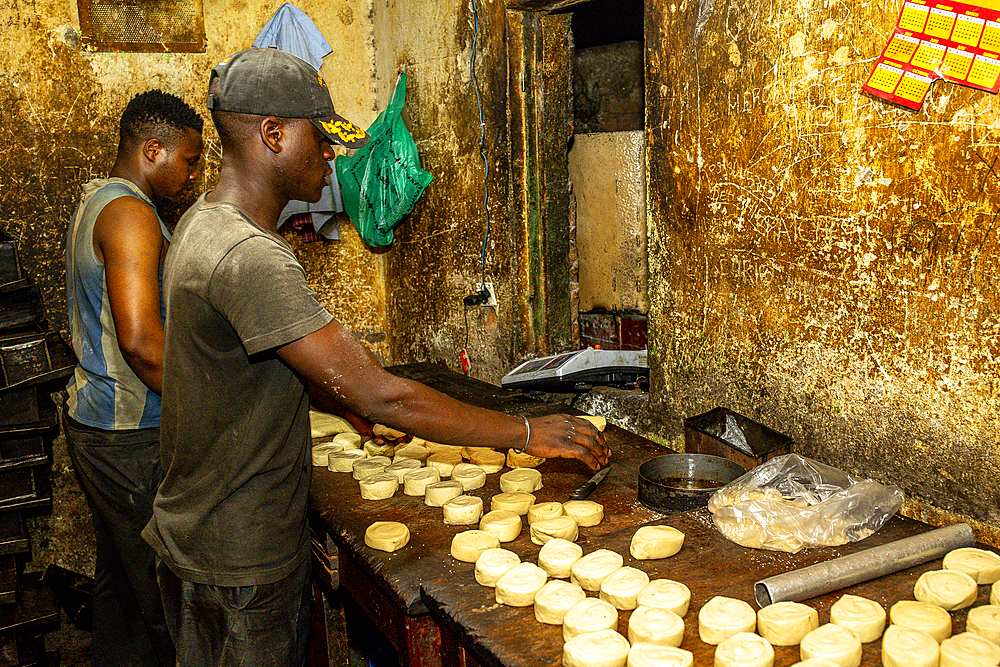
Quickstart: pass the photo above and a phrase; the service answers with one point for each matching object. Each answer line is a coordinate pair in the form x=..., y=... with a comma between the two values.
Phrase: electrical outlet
x=492, y=301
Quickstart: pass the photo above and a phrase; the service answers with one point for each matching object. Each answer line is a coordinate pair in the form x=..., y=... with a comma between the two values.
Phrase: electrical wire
x=482, y=134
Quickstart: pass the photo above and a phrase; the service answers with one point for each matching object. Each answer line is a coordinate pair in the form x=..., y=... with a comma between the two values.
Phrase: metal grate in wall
x=142, y=25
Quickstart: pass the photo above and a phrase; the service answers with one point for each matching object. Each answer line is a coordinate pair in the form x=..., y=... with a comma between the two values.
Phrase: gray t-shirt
x=231, y=510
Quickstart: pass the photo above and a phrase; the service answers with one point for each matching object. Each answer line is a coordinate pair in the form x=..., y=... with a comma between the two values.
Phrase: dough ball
x=444, y=462
x=437, y=494
x=622, y=586
x=585, y=512
x=591, y=569
x=492, y=563
x=948, y=589
x=367, y=467
x=379, y=486
x=463, y=511
x=515, y=501
x=344, y=461
x=400, y=467
x=387, y=432
x=744, y=649
x=655, y=626
x=786, y=623
x=561, y=527
x=321, y=453
x=554, y=599
x=651, y=542
x=372, y=448
x=606, y=648
x=723, y=617
x=589, y=615
x=925, y=616
x=521, y=479
x=969, y=650
x=416, y=481
x=517, y=586
x=469, y=545
x=322, y=424
x=387, y=535
x=557, y=556
x=489, y=460
x=863, y=617
x=906, y=647
x=411, y=451
x=470, y=476
x=985, y=622
x=981, y=565
x=665, y=594
x=544, y=511
x=522, y=460
x=347, y=440
x=834, y=643
x=417, y=441
x=599, y=422
x=653, y=655
x=506, y=525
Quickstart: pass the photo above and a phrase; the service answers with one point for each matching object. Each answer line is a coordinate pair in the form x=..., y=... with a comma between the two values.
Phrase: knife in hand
x=588, y=487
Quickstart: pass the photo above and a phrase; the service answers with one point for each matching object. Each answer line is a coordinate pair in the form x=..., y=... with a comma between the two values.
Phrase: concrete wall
x=820, y=260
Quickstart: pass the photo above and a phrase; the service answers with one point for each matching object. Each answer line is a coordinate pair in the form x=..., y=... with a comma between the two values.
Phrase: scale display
x=590, y=366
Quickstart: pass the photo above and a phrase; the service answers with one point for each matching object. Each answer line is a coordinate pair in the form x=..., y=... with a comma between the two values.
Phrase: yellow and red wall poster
x=955, y=41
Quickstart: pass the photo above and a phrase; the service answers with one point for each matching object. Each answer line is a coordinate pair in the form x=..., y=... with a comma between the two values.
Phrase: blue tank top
x=104, y=392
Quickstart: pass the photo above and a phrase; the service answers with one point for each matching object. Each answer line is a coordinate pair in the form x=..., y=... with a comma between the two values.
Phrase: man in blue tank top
x=115, y=248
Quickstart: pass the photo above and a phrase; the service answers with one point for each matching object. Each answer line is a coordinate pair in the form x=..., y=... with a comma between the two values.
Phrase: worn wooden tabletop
x=423, y=576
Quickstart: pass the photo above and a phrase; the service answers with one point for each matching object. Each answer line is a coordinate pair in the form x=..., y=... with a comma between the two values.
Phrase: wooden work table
x=430, y=606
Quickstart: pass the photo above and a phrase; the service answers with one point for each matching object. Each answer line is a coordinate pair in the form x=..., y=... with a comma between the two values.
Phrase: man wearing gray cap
x=245, y=334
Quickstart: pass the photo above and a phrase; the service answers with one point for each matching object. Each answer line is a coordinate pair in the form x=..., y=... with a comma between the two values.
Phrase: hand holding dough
x=585, y=512
x=463, y=511
x=906, y=647
x=744, y=649
x=981, y=565
x=948, y=589
x=665, y=594
x=557, y=556
x=517, y=586
x=621, y=587
x=834, y=643
x=651, y=542
x=600, y=423
x=591, y=570
x=654, y=655
x=469, y=545
x=786, y=623
x=925, y=616
x=863, y=617
x=723, y=617
x=518, y=459
x=521, y=479
x=387, y=535
x=492, y=563
x=589, y=615
x=554, y=599
x=605, y=648
x=655, y=626
x=969, y=650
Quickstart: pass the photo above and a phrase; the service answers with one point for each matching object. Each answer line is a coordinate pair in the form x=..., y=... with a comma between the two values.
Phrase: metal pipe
x=831, y=575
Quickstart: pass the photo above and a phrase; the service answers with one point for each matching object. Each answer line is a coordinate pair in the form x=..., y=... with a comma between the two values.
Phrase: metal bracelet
x=527, y=437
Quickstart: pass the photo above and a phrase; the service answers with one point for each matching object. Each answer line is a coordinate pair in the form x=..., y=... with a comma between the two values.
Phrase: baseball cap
x=270, y=82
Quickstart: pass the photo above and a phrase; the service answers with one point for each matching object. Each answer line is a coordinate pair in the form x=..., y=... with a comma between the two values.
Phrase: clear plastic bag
x=791, y=502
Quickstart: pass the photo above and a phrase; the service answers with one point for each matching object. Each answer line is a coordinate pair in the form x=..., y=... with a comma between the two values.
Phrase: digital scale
x=590, y=366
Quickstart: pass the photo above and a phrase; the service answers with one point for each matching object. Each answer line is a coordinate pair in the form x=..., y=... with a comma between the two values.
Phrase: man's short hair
x=155, y=113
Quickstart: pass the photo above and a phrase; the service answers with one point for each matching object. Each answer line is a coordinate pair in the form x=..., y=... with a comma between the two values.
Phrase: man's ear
x=272, y=132
x=151, y=149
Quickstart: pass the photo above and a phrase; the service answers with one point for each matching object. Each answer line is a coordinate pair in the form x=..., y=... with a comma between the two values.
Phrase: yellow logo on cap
x=343, y=129
x=321, y=81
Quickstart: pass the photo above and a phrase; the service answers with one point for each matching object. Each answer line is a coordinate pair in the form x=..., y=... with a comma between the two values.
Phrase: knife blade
x=588, y=487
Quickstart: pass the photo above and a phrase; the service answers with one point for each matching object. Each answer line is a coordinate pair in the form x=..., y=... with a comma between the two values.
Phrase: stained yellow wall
x=822, y=260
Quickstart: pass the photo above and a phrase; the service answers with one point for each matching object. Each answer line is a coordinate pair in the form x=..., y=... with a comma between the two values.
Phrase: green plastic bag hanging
x=382, y=181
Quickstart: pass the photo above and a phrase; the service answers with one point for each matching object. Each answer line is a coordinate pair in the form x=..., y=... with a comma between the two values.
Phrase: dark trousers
x=257, y=626
x=119, y=472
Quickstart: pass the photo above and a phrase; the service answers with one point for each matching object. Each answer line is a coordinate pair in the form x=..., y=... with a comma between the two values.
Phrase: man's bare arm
x=338, y=364
x=128, y=239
